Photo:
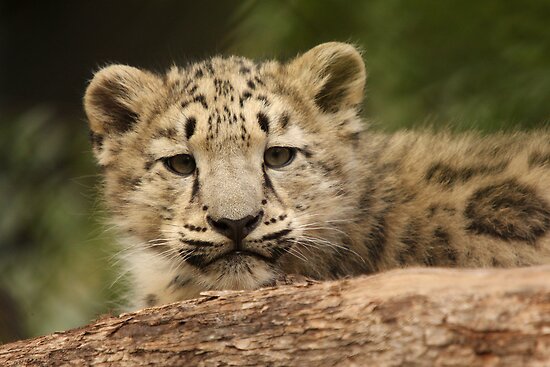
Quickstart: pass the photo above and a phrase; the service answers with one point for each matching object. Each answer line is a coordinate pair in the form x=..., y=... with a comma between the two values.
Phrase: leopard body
x=350, y=200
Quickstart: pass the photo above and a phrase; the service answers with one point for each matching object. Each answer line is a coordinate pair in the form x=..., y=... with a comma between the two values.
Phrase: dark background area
x=458, y=65
x=50, y=48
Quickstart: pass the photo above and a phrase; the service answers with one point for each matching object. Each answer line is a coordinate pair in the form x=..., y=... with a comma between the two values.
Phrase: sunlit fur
x=352, y=201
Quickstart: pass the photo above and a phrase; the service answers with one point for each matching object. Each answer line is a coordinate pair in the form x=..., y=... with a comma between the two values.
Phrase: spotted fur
x=350, y=201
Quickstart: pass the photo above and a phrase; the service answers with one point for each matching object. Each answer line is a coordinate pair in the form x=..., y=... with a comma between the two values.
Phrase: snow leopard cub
x=227, y=173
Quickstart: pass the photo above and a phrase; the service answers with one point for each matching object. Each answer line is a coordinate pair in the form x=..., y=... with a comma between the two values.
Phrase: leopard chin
x=238, y=271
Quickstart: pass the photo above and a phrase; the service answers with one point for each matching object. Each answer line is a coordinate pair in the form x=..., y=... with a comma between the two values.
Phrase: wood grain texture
x=412, y=317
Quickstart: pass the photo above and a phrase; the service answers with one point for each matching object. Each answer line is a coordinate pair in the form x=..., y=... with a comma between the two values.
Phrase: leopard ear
x=117, y=96
x=333, y=74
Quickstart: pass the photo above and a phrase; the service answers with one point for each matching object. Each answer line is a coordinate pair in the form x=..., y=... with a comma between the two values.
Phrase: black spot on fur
x=301, y=207
x=449, y=210
x=538, y=159
x=355, y=138
x=430, y=260
x=269, y=185
x=508, y=210
x=246, y=95
x=186, y=85
x=434, y=209
x=263, y=120
x=197, y=99
x=441, y=235
x=446, y=175
x=209, y=67
x=367, y=198
x=431, y=211
x=190, y=127
x=168, y=133
x=199, y=74
x=129, y=182
x=147, y=166
x=223, y=87
x=200, y=99
x=96, y=140
x=244, y=70
x=251, y=84
x=284, y=120
x=276, y=235
x=495, y=263
x=263, y=98
x=441, y=248
x=151, y=300
x=196, y=185
x=197, y=243
x=376, y=240
x=306, y=152
x=410, y=240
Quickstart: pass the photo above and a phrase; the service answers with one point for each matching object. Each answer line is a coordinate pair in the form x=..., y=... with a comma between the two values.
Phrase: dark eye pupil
x=182, y=164
x=278, y=156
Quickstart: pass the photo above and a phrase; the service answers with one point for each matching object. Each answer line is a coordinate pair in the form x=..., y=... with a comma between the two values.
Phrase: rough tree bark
x=413, y=317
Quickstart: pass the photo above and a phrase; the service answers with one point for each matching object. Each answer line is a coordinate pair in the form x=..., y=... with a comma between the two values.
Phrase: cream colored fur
x=352, y=200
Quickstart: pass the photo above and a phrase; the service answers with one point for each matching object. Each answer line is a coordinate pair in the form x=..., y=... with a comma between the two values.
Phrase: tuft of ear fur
x=117, y=96
x=333, y=73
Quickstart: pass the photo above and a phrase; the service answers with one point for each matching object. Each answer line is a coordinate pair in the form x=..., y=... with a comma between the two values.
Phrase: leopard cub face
x=226, y=173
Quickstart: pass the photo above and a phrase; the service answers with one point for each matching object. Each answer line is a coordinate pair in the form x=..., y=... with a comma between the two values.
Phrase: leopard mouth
x=231, y=257
x=237, y=255
x=279, y=242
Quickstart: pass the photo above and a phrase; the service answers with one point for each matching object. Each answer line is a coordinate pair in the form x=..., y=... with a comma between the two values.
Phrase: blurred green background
x=481, y=65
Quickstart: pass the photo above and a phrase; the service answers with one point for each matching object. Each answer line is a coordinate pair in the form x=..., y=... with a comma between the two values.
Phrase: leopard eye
x=277, y=157
x=181, y=164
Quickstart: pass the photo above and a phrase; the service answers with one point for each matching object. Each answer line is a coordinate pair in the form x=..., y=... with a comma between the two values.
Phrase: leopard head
x=233, y=172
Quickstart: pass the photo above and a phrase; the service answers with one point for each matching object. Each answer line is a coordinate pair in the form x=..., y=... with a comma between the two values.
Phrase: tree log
x=411, y=317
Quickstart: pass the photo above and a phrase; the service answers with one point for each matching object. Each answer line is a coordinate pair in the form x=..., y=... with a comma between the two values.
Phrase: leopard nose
x=236, y=230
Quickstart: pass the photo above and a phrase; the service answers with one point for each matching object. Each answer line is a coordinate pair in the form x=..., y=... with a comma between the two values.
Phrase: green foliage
x=53, y=257
x=468, y=64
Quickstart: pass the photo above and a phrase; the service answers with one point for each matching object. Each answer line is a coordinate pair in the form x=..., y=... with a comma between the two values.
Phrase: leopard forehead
x=226, y=105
